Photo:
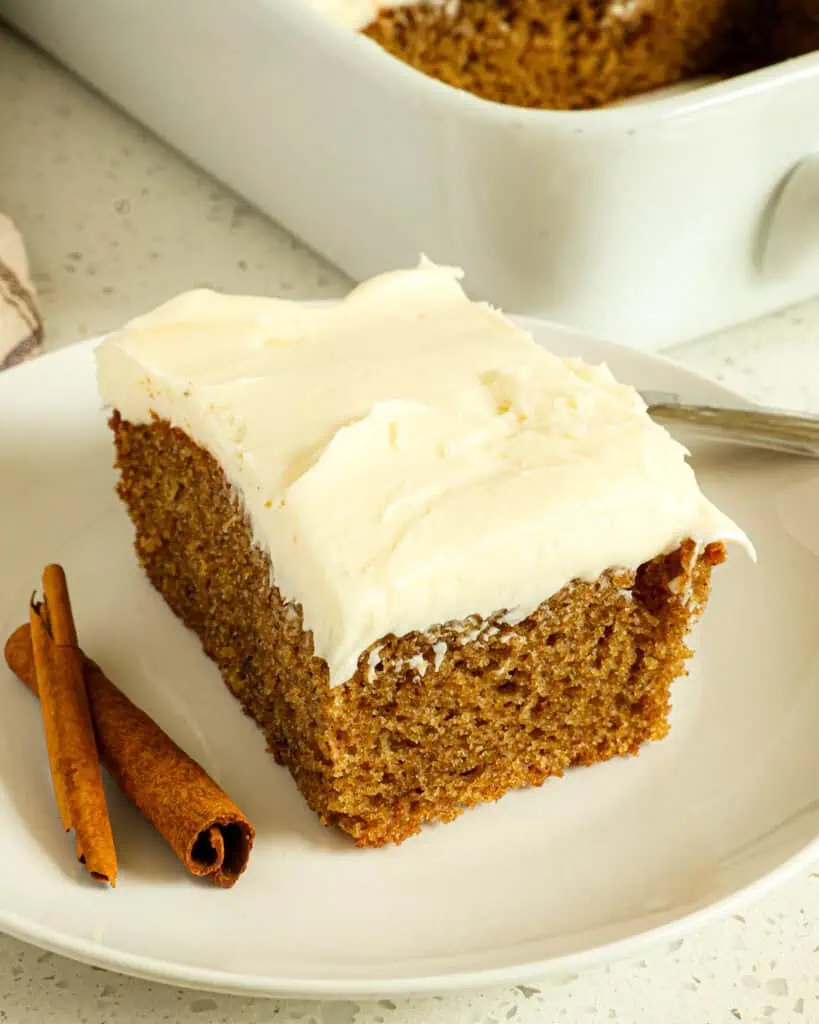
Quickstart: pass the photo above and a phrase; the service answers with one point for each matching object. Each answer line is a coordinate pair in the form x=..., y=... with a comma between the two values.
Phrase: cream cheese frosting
x=358, y=14
x=408, y=457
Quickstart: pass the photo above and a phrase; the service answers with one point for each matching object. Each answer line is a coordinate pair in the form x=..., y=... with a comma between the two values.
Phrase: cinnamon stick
x=200, y=823
x=72, y=750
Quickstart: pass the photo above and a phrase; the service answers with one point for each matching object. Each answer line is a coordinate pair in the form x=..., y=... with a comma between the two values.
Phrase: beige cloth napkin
x=21, y=329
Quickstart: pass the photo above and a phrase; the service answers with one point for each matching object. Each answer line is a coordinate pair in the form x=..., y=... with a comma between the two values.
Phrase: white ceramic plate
x=585, y=869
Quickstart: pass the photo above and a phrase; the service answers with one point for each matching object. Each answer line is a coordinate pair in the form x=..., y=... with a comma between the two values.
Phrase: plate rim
x=451, y=981
x=533, y=971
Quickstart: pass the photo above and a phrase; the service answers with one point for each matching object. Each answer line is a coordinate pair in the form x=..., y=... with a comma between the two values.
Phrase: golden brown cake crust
x=431, y=723
x=574, y=54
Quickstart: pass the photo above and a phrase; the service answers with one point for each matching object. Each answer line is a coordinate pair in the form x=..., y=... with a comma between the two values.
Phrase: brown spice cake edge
x=579, y=54
x=585, y=678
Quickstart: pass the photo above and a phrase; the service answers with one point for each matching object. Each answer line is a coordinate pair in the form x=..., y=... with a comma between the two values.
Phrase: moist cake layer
x=408, y=458
x=569, y=55
x=431, y=722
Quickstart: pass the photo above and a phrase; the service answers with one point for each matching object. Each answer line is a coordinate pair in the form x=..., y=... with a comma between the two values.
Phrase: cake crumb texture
x=431, y=723
x=578, y=54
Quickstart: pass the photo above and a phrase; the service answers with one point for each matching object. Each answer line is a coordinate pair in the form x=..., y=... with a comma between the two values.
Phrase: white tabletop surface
x=115, y=222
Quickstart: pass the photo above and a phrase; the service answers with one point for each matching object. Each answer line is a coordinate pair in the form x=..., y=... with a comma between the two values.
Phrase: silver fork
x=760, y=427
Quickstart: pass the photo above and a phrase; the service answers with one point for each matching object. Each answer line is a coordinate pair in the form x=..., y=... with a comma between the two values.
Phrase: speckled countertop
x=115, y=222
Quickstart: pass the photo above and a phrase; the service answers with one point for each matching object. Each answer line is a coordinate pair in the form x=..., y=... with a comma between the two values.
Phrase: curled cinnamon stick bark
x=56, y=671
x=200, y=823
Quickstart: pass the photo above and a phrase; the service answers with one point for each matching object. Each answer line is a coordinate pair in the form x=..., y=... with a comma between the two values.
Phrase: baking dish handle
x=789, y=233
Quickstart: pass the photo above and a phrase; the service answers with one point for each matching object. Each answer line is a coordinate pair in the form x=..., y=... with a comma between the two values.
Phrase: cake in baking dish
x=433, y=561
x=578, y=54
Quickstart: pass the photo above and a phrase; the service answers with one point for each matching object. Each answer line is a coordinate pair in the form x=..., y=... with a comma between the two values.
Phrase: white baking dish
x=650, y=223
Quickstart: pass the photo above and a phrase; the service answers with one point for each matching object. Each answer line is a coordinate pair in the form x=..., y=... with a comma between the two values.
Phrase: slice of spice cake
x=432, y=560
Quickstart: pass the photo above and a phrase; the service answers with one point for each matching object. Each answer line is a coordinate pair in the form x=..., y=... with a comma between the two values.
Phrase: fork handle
x=755, y=428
